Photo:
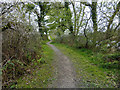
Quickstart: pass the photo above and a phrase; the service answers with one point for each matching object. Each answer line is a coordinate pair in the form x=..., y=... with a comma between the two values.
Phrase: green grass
x=88, y=66
x=42, y=75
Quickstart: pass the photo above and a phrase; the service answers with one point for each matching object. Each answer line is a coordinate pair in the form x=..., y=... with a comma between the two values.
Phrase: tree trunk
x=119, y=24
x=74, y=18
x=86, y=45
x=81, y=19
x=29, y=19
x=94, y=19
x=93, y=7
x=69, y=14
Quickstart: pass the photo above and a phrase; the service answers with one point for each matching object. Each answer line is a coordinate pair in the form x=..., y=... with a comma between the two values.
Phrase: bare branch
x=86, y=4
x=9, y=8
x=111, y=19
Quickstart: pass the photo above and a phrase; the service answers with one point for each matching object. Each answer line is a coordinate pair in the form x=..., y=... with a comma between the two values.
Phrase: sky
x=55, y=0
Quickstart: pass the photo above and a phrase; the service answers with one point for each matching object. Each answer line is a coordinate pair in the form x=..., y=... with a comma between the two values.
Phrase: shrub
x=19, y=47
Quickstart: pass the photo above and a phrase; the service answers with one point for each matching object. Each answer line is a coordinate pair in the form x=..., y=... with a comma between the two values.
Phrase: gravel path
x=65, y=73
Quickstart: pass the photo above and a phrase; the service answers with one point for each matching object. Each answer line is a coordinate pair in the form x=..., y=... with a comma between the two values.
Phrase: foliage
x=18, y=53
x=42, y=73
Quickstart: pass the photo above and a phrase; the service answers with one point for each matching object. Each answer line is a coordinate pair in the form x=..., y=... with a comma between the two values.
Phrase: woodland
x=91, y=29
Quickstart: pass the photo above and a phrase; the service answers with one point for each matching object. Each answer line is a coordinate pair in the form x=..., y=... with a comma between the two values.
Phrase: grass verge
x=89, y=68
x=41, y=75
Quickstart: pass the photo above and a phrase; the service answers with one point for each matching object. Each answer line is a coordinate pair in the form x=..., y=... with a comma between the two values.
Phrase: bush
x=20, y=48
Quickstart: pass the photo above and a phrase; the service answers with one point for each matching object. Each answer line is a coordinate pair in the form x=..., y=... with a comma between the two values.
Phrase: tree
x=58, y=18
x=93, y=8
x=30, y=8
x=108, y=34
x=43, y=11
x=69, y=16
x=75, y=16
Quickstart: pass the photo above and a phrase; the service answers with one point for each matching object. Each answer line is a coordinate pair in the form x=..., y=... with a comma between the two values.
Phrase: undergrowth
x=40, y=72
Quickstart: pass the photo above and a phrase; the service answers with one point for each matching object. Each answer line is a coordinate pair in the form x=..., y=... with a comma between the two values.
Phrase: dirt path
x=65, y=73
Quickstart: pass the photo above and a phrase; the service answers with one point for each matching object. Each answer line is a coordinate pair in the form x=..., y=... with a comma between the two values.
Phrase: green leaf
x=39, y=60
x=35, y=63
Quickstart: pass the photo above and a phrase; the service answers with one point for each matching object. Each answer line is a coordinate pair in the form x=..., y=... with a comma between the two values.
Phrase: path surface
x=65, y=73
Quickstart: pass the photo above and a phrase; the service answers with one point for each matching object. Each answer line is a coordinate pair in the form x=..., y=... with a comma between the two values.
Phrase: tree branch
x=85, y=32
x=111, y=19
x=86, y=4
x=8, y=9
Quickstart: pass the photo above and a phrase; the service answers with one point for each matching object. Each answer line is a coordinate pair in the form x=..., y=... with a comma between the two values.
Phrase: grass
x=89, y=67
x=42, y=75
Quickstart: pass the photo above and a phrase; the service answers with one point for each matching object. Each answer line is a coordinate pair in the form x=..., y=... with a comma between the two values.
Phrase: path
x=65, y=76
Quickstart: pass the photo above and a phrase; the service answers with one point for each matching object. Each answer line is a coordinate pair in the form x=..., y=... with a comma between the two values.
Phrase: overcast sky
x=56, y=0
